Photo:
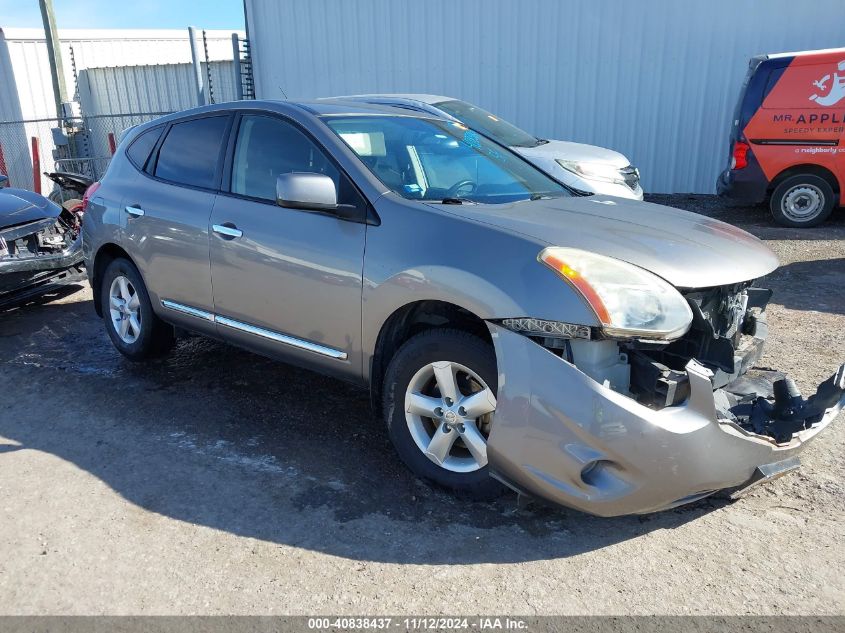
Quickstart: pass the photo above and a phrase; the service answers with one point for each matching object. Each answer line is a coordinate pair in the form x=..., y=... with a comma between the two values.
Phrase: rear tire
x=802, y=201
x=417, y=410
x=130, y=322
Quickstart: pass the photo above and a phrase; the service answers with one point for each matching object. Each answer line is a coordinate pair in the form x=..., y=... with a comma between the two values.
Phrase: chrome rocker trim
x=196, y=312
x=257, y=331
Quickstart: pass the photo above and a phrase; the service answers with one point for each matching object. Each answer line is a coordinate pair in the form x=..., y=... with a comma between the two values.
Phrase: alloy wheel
x=125, y=309
x=448, y=408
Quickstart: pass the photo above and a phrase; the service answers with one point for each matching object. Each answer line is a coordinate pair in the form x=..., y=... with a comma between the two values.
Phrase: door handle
x=226, y=230
x=135, y=212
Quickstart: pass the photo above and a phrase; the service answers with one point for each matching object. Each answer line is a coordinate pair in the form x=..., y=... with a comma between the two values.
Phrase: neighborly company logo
x=819, y=150
x=833, y=84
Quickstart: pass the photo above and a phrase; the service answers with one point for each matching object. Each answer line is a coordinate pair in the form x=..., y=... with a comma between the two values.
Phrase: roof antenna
x=283, y=92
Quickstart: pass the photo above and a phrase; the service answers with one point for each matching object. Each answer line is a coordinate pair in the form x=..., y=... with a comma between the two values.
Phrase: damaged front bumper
x=55, y=261
x=29, y=272
x=559, y=435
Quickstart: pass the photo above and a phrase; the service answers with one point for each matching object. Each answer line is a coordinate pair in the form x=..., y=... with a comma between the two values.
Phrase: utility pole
x=202, y=98
x=236, y=56
x=54, y=55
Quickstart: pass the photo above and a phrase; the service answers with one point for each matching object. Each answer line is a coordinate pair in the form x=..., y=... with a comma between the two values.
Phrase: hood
x=18, y=206
x=567, y=150
x=686, y=249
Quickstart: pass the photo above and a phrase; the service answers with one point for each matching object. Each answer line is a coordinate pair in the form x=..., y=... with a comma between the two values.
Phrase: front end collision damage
x=44, y=256
x=38, y=254
x=563, y=436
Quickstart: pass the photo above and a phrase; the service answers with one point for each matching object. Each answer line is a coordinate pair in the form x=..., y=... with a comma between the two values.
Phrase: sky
x=121, y=14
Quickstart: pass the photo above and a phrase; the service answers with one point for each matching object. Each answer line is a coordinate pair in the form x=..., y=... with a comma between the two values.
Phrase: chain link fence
x=82, y=145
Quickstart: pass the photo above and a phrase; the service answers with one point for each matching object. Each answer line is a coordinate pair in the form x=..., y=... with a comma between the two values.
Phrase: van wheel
x=133, y=328
x=802, y=201
x=439, y=399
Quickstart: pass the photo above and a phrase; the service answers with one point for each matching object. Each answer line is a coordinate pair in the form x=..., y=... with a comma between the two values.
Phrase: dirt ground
x=215, y=481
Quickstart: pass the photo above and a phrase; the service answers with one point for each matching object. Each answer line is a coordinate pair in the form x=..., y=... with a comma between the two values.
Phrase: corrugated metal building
x=656, y=80
x=26, y=71
x=158, y=88
x=155, y=88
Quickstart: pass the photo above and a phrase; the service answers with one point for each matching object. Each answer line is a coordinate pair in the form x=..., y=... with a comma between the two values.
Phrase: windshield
x=428, y=159
x=489, y=124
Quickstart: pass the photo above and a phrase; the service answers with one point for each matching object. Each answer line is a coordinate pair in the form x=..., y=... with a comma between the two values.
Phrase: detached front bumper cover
x=560, y=436
x=779, y=410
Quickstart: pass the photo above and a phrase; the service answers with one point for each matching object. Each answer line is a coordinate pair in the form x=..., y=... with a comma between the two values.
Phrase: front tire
x=439, y=398
x=802, y=201
x=130, y=322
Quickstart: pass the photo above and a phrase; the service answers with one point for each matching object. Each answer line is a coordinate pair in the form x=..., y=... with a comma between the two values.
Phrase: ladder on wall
x=244, y=80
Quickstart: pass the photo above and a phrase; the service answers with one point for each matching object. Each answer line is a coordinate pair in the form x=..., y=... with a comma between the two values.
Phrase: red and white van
x=787, y=136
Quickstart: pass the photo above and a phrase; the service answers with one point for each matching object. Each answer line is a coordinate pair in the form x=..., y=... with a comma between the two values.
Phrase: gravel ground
x=216, y=481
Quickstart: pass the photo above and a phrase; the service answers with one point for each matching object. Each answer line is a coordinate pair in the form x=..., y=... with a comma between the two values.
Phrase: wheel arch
x=106, y=254
x=806, y=168
x=411, y=319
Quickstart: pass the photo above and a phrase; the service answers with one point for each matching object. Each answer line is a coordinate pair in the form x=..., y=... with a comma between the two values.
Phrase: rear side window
x=190, y=152
x=139, y=150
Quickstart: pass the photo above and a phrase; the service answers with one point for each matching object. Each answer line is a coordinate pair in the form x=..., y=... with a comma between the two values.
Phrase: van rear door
x=742, y=178
x=745, y=108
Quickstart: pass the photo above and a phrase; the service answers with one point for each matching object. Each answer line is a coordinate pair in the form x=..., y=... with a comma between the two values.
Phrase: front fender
x=419, y=254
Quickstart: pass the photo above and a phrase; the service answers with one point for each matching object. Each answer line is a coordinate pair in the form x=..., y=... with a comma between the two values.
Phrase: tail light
x=90, y=191
x=740, y=158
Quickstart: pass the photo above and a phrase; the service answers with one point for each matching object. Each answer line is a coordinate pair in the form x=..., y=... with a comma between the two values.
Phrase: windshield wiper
x=540, y=141
x=456, y=201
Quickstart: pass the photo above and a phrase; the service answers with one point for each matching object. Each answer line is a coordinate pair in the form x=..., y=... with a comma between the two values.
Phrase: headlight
x=593, y=171
x=628, y=300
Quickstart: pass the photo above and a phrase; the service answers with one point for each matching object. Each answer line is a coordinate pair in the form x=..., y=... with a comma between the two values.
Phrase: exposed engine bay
x=727, y=336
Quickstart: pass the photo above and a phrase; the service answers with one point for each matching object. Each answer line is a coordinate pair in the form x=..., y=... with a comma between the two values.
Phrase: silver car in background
x=590, y=351
x=586, y=168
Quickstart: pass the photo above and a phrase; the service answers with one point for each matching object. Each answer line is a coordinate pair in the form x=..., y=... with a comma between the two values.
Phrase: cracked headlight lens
x=629, y=301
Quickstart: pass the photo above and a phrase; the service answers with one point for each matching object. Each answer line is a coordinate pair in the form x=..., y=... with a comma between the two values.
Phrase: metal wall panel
x=159, y=88
x=27, y=82
x=656, y=80
x=104, y=92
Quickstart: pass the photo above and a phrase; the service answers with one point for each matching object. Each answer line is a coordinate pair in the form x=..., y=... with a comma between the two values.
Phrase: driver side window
x=267, y=147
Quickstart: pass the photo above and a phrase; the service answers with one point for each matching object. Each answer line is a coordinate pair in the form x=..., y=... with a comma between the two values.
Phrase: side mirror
x=4, y=181
x=301, y=190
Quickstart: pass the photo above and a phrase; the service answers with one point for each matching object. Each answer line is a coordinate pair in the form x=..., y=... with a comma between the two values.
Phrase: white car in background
x=583, y=167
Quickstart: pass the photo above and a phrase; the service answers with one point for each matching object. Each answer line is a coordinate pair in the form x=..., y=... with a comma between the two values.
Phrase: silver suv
x=591, y=351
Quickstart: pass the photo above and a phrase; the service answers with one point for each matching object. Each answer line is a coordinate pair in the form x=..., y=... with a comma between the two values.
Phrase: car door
x=167, y=210
x=287, y=282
